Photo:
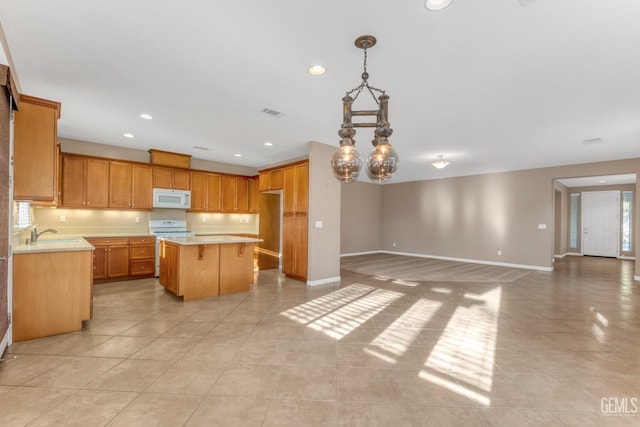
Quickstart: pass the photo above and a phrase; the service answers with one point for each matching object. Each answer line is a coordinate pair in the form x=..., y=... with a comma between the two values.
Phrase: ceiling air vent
x=592, y=141
x=273, y=113
x=198, y=147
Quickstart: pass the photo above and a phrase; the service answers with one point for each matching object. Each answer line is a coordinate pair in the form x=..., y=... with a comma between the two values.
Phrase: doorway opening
x=594, y=216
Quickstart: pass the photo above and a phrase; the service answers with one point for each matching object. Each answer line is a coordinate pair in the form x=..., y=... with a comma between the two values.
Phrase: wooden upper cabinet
x=235, y=193
x=271, y=180
x=205, y=192
x=35, y=150
x=296, y=188
x=142, y=187
x=130, y=186
x=85, y=182
x=198, y=192
x=176, y=179
x=214, y=196
x=254, y=195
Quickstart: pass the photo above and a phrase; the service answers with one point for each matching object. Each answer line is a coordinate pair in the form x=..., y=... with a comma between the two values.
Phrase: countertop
x=211, y=240
x=61, y=244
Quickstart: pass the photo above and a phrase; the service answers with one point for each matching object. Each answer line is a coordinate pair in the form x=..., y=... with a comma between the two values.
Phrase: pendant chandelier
x=383, y=159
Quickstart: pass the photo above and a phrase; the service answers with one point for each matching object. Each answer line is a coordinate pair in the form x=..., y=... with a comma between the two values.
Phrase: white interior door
x=600, y=223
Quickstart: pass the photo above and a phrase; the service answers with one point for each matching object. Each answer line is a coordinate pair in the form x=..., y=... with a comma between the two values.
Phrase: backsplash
x=85, y=222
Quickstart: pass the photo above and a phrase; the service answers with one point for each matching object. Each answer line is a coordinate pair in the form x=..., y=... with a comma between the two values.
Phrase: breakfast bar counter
x=206, y=266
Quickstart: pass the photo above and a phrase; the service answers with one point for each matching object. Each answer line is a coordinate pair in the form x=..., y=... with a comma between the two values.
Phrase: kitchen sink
x=60, y=241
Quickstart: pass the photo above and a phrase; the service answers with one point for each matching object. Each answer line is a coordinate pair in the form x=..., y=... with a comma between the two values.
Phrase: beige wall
x=361, y=219
x=134, y=155
x=324, y=206
x=475, y=216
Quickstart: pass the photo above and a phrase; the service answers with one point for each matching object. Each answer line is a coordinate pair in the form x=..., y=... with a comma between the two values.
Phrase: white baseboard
x=636, y=278
x=560, y=256
x=323, y=281
x=630, y=258
x=360, y=253
x=574, y=254
x=474, y=261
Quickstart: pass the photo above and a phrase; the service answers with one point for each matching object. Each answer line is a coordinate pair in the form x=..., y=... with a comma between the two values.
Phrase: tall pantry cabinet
x=295, y=220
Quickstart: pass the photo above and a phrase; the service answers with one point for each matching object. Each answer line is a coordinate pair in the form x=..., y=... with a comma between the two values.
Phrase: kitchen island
x=206, y=266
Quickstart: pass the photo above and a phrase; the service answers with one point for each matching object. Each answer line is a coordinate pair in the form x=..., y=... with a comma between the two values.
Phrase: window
x=627, y=216
x=22, y=212
x=574, y=220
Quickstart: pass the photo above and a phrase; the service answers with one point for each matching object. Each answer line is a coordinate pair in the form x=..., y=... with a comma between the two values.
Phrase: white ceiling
x=599, y=181
x=492, y=84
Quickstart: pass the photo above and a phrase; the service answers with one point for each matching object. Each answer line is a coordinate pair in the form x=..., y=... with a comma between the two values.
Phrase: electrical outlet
x=499, y=252
x=394, y=244
x=137, y=220
x=203, y=219
x=63, y=218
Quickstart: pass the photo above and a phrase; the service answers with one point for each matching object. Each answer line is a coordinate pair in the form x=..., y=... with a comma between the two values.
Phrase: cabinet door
x=169, y=258
x=242, y=194
x=254, y=195
x=118, y=261
x=302, y=187
x=73, y=182
x=162, y=177
x=228, y=190
x=198, y=192
x=142, y=187
x=288, y=244
x=97, y=183
x=301, y=236
x=35, y=150
x=120, y=178
x=264, y=181
x=277, y=179
x=181, y=179
x=214, y=196
x=289, y=189
x=99, y=261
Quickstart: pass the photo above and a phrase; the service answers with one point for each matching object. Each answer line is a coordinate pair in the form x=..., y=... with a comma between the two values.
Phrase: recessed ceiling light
x=128, y=135
x=602, y=181
x=437, y=4
x=238, y=155
x=146, y=116
x=268, y=144
x=317, y=70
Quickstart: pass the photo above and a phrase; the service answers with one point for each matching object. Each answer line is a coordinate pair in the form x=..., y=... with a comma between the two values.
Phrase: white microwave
x=171, y=199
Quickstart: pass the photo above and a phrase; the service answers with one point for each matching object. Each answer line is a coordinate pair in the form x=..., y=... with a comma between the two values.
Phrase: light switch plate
x=318, y=224
x=542, y=226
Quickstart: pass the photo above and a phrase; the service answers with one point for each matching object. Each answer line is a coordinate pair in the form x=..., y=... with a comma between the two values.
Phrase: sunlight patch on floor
x=465, y=352
x=342, y=311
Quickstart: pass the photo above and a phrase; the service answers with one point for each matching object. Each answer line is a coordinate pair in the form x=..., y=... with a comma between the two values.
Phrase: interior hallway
x=532, y=348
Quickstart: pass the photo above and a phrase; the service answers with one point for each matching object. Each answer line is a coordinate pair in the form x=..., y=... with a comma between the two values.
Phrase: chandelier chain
x=365, y=83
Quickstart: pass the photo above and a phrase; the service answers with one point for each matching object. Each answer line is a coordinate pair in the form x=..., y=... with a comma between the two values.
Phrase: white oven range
x=164, y=228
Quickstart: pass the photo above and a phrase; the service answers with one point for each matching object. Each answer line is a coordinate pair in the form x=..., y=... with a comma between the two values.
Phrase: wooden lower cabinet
x=52, y=293
x=295, y=246
x=122, y=258
x=142, y=256
x=169, y=261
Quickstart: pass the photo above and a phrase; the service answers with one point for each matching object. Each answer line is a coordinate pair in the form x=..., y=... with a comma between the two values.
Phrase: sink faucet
x=35, y=234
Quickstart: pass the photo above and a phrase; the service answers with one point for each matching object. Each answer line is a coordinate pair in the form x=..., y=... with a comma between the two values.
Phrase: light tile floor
x=548, y=349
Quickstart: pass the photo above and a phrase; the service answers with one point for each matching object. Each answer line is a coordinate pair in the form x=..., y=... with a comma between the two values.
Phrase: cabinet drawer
x=141, y=268
x=108, y=240
x=149, y=240
x=143, y=252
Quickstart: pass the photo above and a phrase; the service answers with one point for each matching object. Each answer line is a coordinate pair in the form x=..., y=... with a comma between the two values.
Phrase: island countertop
x=211, y=240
